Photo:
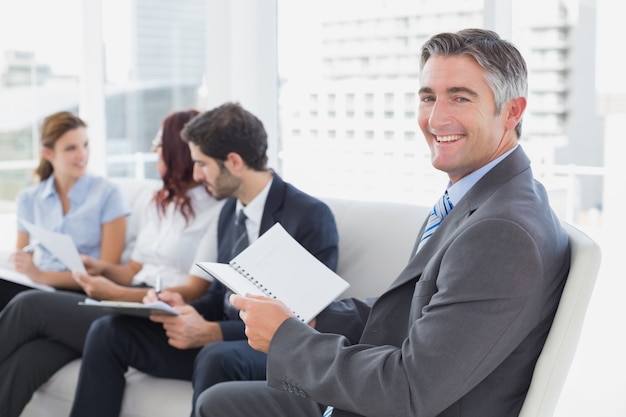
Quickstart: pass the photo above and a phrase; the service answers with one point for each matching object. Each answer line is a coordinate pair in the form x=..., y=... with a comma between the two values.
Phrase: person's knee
x=25, y=299
x=210, y=401
x=28, y=307
x=214, y=354
x=102, y=326
x=202, y=403
x=213, y=364
x=104, y=331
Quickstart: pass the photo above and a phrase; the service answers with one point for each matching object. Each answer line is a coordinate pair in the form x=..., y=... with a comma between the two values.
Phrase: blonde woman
x=42, y=331
x=68, y=200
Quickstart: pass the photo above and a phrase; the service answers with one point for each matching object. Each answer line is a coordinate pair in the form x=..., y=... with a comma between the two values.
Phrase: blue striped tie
x=440, y=211
x=328, y=412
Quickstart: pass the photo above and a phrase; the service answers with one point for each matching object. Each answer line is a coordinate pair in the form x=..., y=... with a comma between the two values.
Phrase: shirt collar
x=80, y=190
x=254, y=209
x=77, y=194
x=48, y=187
x=458, y=190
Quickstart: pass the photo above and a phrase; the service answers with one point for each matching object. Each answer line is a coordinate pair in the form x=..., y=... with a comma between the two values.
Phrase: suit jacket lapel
x=416, y=264
x=275, y=198
x=511, y=166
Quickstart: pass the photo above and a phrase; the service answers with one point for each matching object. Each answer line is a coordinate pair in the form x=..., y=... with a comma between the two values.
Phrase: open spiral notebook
x=130, y=308
x=276, y=265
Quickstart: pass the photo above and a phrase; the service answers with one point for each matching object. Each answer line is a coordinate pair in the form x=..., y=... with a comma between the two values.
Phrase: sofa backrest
x=375, y=238
x=375, y=242
x=138, y=194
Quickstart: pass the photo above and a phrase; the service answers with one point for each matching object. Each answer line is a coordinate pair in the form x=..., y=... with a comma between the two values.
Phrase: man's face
x=215, y=176
x=457, y=115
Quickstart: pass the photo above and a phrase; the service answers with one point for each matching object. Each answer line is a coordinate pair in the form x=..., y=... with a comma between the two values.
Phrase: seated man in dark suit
x=459, y=331
x=206, y=343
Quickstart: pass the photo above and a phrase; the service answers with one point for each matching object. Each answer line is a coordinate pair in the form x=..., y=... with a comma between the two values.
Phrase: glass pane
x=39, y=61
x=349, y=77
x=350, y=72
x=155, y=60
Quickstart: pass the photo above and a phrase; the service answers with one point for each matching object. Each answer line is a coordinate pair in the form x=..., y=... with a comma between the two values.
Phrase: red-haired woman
x=173, y=224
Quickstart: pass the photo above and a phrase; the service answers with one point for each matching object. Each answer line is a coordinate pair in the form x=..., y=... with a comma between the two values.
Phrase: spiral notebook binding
x=260, y=286
x=251, y=278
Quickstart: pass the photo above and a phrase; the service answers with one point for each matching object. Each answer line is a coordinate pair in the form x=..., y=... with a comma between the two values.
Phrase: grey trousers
x=40, y=332
x=253, y=399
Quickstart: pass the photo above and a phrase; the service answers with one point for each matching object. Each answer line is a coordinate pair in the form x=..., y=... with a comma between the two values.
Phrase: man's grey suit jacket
x=460, y=329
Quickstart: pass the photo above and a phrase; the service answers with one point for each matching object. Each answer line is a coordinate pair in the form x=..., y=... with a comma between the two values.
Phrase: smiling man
x=206, y=343
x=458, y=332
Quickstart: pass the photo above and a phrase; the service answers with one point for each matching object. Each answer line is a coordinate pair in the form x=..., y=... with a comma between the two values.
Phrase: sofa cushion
x=375, y=242
x=143, y=397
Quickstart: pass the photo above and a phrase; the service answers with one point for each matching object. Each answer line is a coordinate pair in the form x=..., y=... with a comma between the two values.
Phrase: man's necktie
x=241, y=235
x=241, y=242
x=328, y=412
x=440, y=211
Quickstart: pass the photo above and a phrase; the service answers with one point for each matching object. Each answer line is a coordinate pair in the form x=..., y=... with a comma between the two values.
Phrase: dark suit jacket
x=307, y=219
x=459, y=331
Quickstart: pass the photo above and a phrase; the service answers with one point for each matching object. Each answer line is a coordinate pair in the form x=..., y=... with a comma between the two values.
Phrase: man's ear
x=515, y=109
x=234, y=162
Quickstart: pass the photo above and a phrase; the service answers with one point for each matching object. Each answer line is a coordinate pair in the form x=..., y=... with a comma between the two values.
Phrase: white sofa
x=375, y=241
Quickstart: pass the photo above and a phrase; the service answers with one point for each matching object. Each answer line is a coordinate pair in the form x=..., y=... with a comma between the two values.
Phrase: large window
x=346, y=78
x=153, y=60
x=154, y=54
x=40, y=58
x=365, y=56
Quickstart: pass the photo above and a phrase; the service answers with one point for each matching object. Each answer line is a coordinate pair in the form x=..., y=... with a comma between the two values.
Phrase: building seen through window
x=347, y=81
x=153, y=53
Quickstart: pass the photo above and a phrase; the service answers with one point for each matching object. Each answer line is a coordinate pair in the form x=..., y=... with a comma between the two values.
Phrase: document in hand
x=18, y=278
x=277, y=266
x=131, y=308
x=59, y=244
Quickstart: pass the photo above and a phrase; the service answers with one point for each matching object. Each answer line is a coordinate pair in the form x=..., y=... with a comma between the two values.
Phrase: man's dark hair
x=229, y=128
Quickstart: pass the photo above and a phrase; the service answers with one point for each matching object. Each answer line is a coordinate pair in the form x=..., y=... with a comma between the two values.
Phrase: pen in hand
x=30, y=248
x=159, y=285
